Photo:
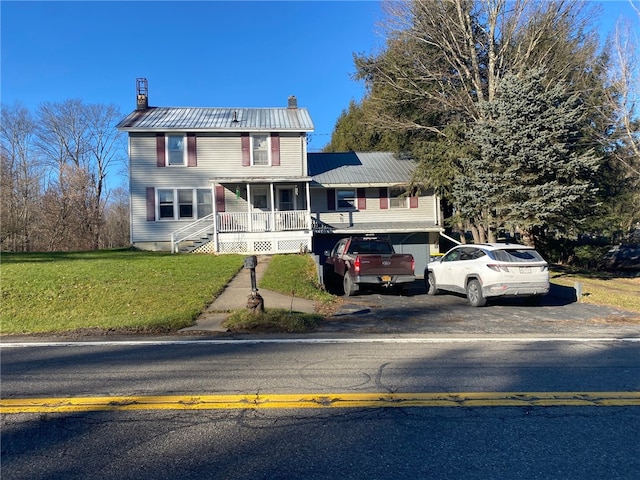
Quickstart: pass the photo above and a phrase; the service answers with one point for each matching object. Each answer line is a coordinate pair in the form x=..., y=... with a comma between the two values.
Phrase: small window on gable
x=176, y=149
x=259, y=149
x=397, y=197
x=346, y=198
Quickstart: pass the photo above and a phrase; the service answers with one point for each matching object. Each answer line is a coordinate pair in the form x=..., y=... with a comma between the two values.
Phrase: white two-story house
x=240, y=180
x=219, y=180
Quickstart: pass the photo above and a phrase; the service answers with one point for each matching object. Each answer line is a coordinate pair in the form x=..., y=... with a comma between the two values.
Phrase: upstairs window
x=176, y=149
x=259, y=149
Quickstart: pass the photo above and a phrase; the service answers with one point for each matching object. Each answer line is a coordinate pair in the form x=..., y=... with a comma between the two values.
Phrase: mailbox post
x=255, y=302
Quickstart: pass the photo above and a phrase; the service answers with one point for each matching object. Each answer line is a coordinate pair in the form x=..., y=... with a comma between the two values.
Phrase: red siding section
x=246, y=149
x=192, y=160
x=160, y=152
x=384, y=200
x=362, y=199
x=275, y=149
x=151, y=204
x=219, y=198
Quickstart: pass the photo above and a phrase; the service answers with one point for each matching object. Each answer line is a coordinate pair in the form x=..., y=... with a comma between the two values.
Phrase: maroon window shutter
x=362, y=199
x=246, y=149
x=331, y=198
x=413, y=201
x=151, y=204
x=160, y=154
x=384, y=199
x=192, y=159
x=219, y=198
x=275, y=149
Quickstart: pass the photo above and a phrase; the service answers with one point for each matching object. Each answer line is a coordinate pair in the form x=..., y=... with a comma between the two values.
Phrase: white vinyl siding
x=218, y=156
x=425, y=212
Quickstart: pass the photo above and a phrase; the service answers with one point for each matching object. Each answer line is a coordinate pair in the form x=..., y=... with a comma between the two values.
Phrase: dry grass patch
x=602, y=288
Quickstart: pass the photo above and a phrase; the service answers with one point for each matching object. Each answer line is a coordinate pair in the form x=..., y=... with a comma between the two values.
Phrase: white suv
x=489, y=270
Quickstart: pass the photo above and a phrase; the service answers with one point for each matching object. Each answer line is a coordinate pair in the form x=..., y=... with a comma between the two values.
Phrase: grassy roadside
x=292, y=275
x=132, y=291
x=108, y=290
x=601, y=288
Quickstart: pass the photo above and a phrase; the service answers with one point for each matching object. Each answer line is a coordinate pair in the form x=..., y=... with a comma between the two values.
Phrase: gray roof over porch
x=360, y=169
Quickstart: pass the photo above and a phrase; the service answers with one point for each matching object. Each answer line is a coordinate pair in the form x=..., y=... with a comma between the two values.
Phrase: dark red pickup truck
x=368, y=261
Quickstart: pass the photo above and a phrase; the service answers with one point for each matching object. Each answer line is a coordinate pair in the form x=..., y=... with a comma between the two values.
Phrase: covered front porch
x=251, y=216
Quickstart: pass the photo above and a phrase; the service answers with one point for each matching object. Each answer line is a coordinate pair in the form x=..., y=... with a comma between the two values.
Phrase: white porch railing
x=263, y=221
x=242, y=222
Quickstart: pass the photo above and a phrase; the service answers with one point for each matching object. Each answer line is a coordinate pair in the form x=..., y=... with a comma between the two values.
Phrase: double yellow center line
x=321, y=400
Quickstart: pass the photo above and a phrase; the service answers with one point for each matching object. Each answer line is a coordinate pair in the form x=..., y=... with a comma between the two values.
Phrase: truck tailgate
x=394, y=264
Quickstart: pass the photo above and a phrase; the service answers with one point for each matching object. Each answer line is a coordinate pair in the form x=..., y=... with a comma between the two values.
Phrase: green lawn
x=111, y=289
x=125, y=290
x=294, y=275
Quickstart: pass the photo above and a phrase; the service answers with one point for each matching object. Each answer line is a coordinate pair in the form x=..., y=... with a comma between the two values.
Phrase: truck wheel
x=430, y=283
x=327, y=276
x=349, y=286
x=474, y=294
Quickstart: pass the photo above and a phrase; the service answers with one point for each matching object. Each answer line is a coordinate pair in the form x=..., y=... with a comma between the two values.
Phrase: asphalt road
x=583, y=436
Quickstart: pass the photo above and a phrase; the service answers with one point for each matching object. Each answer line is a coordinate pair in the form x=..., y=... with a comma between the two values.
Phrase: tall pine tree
x=533, y=173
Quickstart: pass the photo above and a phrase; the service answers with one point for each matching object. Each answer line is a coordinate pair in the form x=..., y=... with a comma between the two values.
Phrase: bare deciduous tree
x=55, y=167
x=80, y=142
x=21, y=177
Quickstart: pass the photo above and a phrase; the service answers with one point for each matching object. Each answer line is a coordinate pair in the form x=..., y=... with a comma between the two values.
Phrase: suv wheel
x=474, y=294
x=430, y=283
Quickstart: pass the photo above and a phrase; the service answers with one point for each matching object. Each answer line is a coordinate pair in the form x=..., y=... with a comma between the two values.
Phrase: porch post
x=273, y=208
x=215, y=217
x=308, y=192
x=249, y=219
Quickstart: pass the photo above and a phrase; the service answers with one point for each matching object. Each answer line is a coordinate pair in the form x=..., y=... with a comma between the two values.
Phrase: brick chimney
x=293, y=102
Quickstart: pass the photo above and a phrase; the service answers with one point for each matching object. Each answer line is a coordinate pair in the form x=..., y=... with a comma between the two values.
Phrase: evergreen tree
x=532, y=173
x=445, y=60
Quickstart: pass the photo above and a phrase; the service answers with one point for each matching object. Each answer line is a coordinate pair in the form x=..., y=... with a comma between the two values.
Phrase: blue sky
x=203, y=53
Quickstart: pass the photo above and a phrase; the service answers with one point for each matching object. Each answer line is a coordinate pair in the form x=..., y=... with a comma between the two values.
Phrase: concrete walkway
x=235, y=296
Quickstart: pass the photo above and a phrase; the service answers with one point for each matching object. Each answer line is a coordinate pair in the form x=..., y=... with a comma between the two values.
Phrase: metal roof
x=360, y=168
x=217, y=119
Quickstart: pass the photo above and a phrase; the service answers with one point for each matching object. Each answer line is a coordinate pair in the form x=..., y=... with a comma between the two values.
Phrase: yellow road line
x=329, y=400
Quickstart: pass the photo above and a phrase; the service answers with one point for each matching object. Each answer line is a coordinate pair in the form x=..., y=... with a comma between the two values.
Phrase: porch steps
x=188, y=246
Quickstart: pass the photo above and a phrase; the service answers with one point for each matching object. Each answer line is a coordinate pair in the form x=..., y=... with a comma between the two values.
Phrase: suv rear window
x=513, y=255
